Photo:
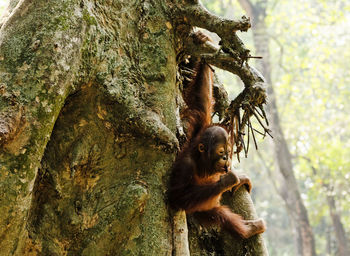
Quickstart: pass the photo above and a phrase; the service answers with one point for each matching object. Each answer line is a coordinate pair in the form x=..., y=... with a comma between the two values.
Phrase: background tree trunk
x=89, y=105
x=342, y=241
x=288, y=189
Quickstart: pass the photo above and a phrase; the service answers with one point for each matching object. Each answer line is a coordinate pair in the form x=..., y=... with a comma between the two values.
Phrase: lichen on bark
x=88, y=116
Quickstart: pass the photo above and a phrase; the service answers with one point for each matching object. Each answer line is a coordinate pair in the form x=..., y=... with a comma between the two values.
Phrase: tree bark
x=289, y=189
x=88, y=116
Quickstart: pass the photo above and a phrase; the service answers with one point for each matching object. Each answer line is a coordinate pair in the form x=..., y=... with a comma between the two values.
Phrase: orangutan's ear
x=201, y=147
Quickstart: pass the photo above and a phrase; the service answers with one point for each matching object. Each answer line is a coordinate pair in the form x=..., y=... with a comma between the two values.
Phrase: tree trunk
x=88, y=116
x=342, y=241
x=289, y=189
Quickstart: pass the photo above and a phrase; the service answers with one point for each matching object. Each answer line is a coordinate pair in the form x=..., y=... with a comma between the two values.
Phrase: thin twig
x=254, y=57
x=248, y=140
x=260, y=114
x=252, y=129
x=266, y=130
x=264, y=114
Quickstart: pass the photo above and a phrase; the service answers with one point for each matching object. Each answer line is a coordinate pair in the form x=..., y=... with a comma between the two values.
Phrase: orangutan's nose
x=226, y=169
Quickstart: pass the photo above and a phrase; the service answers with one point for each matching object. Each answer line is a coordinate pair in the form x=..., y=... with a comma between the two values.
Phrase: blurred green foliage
x=3, y=4
x=310, y=59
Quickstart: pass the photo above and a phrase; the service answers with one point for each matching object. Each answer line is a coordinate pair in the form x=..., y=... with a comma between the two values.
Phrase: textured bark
x=100, y=182
x=289, y=189
x=36, y=76
x=88, y=117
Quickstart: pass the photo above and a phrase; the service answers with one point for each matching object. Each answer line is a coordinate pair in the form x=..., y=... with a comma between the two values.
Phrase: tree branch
x=197, y=15
x=212, y=55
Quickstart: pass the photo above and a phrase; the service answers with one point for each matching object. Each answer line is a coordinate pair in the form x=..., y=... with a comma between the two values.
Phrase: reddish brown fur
x=195, y=185
x=198, y=97
x=222, y=215
x=212, y=202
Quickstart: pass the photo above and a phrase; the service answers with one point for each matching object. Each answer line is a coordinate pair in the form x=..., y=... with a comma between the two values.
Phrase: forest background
x=309, y=43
